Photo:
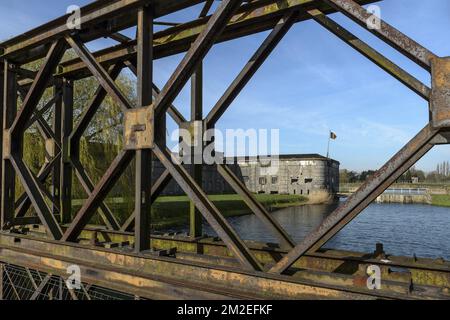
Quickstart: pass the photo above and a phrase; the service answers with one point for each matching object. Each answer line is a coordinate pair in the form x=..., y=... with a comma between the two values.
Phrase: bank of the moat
x=170, y=212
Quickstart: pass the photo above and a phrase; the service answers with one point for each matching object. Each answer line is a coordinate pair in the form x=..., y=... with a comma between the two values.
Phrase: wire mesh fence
x=19, y=283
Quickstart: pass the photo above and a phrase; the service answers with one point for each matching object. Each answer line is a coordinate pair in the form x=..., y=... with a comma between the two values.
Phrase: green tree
x=366, y=175
x=343, y=176
x=101, y=141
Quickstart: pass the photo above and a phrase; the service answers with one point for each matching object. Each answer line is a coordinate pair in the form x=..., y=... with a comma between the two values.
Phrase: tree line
x=100, y=143
x=441, y=174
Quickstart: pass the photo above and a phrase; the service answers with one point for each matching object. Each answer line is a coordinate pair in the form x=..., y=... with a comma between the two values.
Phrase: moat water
x=404, y=229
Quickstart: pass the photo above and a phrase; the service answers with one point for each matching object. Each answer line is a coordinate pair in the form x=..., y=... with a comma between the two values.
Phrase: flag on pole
x=333, y=135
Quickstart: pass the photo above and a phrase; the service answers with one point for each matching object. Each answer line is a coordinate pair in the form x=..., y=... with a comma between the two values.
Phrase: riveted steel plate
x=139, y=128
x=440, y=94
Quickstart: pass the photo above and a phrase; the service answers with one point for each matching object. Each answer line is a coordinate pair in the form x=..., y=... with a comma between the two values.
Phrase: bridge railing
x=408, y=191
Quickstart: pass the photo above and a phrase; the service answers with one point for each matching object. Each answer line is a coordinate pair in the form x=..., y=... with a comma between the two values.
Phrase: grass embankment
x=173, y=211
x=441, y=200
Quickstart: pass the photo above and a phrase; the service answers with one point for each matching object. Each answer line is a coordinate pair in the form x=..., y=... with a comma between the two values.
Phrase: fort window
x=308, y=180
x=262, y=181
x=274, y=180
x=294, y=180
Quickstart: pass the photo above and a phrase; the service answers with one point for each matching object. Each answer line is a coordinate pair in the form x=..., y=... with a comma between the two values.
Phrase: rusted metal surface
x=195, y=55
x=118, y=15
x=256, y=207
x=174, y=277
x=374, y=56
x=410, y=48
x=143, y=140
x=252, y=66
x=209, y=211
x=138, y=127
x=198, y=268
x=251, y=18
x=440, y=99
x=357, y=202
x=98, y=195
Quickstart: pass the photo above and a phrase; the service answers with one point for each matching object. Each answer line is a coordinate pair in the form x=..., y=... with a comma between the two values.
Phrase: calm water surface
x=404, y=229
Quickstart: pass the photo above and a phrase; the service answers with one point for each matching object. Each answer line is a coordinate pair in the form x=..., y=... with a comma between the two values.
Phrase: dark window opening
x=262, y=181
x=274, y=192
x=274, y=180
x=294, y=180
x=308, y=180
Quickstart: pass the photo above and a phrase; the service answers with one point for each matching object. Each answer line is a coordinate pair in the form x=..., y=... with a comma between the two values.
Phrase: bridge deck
x=178, y=271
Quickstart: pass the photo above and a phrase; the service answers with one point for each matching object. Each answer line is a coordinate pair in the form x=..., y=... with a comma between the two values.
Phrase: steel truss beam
x=223, y=104
x=195, y=55
x=252, y=66
x=249, y=70
x=201, y=276
x=386, y=32
x=14, y=141
x=231, y=20
x=98, y=195
x=74, y=145
x=256, y=207
x=143, y=204
x=162, y=103
x=99, y=72
x=9, y=110
x=251, y=18
x=209, y=211
x=100, y=18
x=384, y=63
x=23, y=203
x=406, y=157
x=53, y=144
x=160, y=277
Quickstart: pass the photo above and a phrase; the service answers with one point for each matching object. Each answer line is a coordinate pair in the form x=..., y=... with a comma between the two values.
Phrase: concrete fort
x=311, y=175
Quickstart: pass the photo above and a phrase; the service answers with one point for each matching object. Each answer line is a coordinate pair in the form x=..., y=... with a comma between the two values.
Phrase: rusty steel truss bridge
x=127, y=261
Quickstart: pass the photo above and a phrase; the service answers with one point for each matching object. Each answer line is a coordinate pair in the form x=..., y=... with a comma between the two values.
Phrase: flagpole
x=328, y=148
x=328, y=163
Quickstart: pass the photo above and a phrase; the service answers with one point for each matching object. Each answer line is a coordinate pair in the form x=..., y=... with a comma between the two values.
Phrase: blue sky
x=311, y=84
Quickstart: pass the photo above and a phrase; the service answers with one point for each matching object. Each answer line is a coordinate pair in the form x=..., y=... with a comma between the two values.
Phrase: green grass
x=172, y=211
x=441, y=200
